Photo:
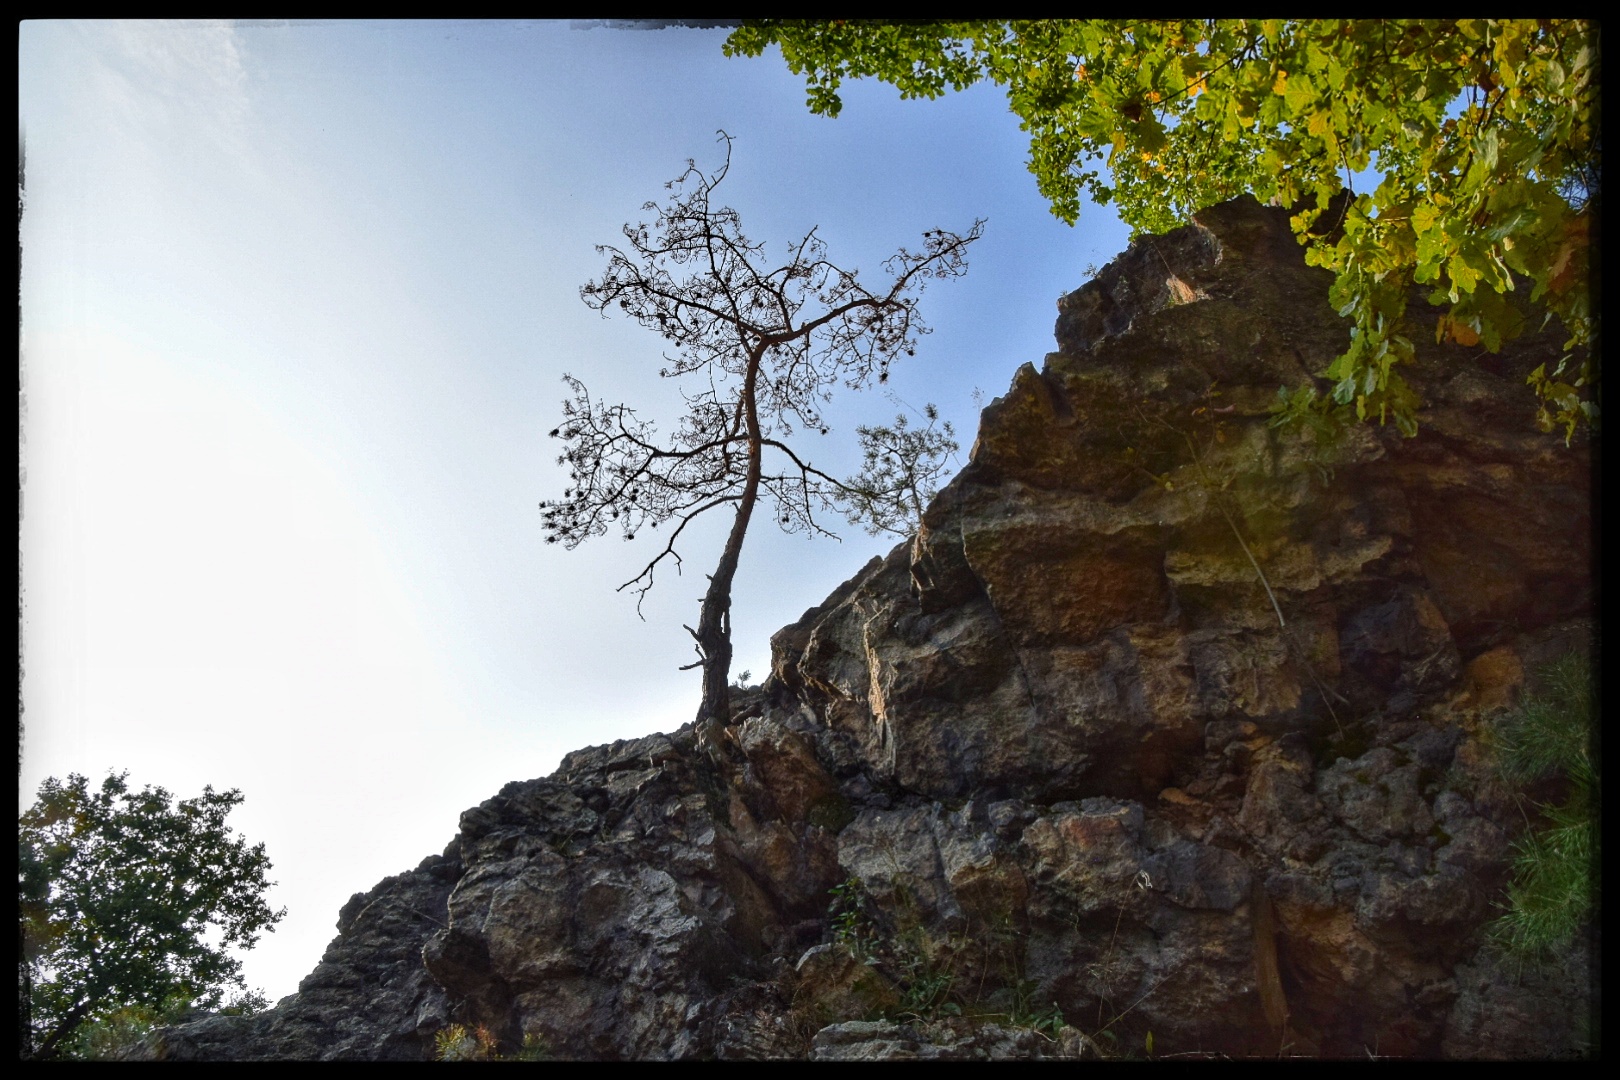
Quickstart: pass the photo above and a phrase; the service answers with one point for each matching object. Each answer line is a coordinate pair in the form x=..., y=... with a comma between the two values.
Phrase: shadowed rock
x=1165, y=721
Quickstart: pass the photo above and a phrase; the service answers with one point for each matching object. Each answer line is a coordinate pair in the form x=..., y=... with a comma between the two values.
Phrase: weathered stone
x=1165, y=721
x=834, y=984
x=864, y=1040
x=370, y=998
x=1540, y=1013
x=886, y=1041
x=756, y=1022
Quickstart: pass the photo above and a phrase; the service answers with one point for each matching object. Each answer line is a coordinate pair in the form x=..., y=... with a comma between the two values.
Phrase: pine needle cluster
x=1555, y=881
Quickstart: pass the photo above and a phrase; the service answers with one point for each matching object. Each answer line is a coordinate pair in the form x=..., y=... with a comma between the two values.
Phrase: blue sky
x=297, y=300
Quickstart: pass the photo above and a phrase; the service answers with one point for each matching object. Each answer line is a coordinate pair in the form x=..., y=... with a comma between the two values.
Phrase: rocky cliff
x=1167, y=721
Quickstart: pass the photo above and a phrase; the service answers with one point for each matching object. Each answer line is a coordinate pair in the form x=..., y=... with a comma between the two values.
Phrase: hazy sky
x=297, y=300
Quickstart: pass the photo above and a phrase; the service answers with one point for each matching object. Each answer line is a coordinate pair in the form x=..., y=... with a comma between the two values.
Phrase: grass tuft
x=1555, y=879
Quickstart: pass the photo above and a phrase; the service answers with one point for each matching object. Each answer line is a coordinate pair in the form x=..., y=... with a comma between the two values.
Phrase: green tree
x=759, y=350
x=117, y=890
x=1484, y=132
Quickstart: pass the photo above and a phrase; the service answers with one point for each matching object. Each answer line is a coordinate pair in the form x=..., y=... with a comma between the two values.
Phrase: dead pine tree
x=758, y=350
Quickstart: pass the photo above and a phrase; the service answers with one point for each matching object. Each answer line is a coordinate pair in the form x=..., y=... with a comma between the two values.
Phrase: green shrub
x=928, y=969
x=1555, y=879
x=108, y=1038
x=119, y=1032
x=852, y=926
x=456, y=1043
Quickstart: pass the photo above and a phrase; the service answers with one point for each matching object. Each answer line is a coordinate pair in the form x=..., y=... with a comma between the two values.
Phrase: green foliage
x=456, y=1043
x=922, y=968
x=937, y=976
x=927, y=990
x=928, y=974
x=852, y=926
x=109, y=1037
x=112, y=1036
x=535, y=1048
x=1027, y=1012
x=117, y=891
x=1303, y=409
x=1484, y=133
x=1555, y=879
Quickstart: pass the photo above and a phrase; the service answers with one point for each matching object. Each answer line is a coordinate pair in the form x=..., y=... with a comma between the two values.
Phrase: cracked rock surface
x=1164, y=721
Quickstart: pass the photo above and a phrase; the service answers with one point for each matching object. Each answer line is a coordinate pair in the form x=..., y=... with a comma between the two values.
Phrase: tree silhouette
x=760, y=351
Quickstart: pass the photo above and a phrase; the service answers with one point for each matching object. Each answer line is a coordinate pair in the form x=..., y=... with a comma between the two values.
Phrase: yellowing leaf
x=1459, y=332
x=1562, y=272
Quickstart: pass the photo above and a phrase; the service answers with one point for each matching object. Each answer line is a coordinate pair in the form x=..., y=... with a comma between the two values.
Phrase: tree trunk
x=64, y=1028
x=714, y=618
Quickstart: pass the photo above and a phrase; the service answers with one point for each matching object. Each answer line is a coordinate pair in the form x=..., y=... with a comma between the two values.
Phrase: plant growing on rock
x=759, y=350
x=456, y=1043
x=1555, y=877
x=851, y=925
x=939, y=977
x=114, y=1036
x=1029, y=1012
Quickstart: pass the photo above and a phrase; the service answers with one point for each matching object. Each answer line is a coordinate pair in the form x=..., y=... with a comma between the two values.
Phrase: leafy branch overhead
x=758, y=350
x=1484, y=132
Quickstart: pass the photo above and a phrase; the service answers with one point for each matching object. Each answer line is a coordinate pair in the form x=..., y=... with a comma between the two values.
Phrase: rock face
x=1166, y=721
x=369, y=999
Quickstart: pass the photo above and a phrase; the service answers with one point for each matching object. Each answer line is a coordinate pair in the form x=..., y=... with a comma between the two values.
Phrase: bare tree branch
x=770, y=346
x=669, y=550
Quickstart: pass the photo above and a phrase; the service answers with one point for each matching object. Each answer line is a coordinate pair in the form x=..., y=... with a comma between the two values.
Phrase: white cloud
x=165, y=81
